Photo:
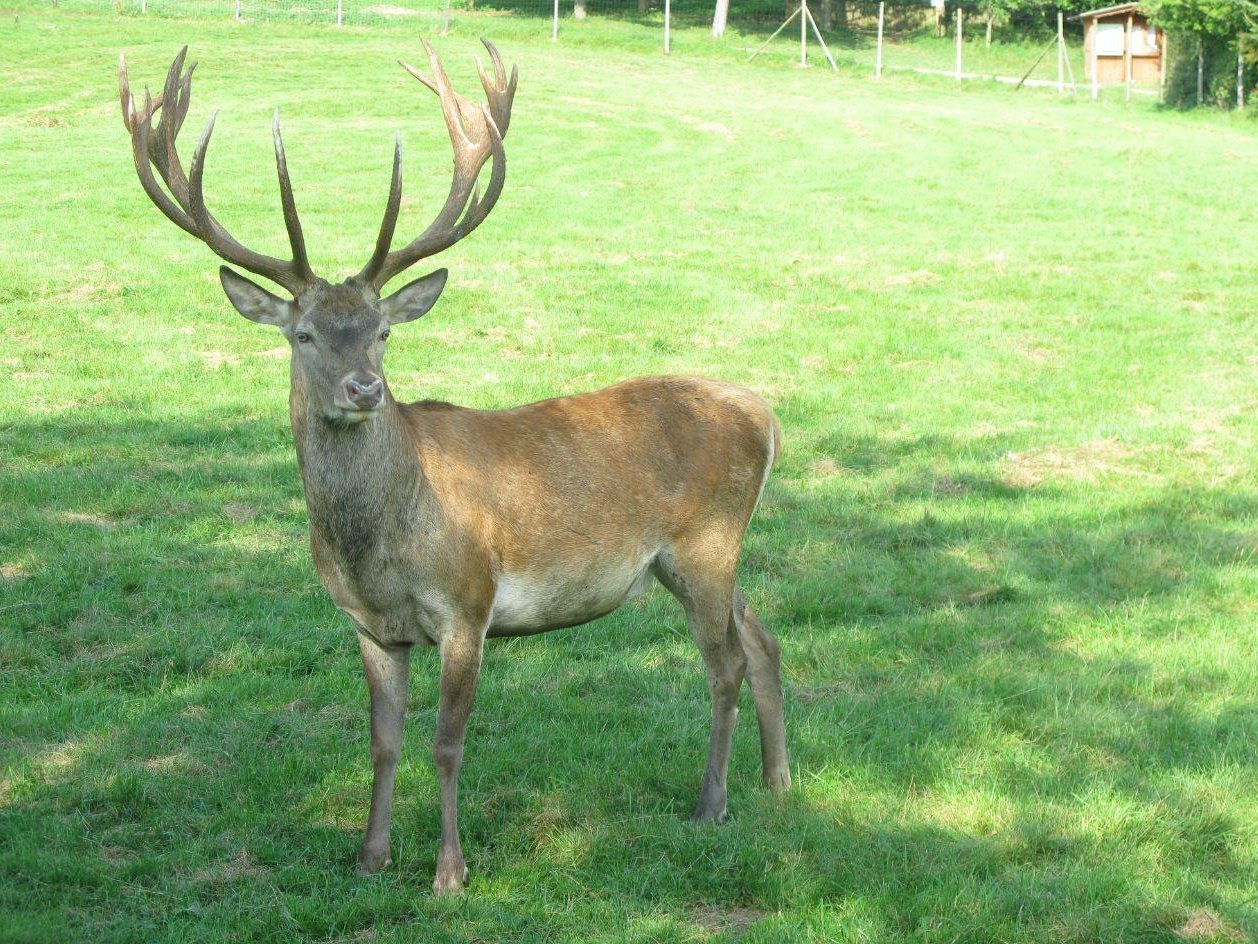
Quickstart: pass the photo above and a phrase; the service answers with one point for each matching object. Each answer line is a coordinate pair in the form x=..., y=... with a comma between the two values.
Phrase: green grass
x=1009, y=548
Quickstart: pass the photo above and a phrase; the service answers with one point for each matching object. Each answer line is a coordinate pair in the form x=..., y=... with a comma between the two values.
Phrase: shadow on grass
x=985, y=737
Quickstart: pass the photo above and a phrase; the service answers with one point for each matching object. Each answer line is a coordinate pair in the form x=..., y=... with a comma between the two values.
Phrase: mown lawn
x=1009, y=548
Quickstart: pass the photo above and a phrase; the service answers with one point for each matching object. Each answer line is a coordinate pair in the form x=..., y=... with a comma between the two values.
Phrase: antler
x=476, y=133
x=184, y=205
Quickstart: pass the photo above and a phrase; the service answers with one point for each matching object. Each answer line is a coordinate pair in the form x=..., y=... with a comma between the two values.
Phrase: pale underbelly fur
x=540, y=600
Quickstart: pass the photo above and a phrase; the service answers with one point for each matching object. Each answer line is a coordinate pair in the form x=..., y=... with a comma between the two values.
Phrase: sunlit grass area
x=1009, y=547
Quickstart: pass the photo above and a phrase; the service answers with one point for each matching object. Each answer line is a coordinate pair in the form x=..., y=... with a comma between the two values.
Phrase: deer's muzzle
x=362, y=392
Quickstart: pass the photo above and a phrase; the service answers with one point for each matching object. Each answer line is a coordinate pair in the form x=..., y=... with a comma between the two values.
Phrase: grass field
x=1009, y=548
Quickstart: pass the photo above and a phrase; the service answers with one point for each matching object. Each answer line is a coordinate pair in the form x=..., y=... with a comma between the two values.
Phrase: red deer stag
x=431, y=524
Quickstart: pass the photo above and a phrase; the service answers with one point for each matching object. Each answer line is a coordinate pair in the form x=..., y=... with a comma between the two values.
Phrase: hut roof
x=1108, y=11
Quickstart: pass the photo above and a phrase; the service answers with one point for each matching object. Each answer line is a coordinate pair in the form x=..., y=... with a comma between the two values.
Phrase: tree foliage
x=1224, y=19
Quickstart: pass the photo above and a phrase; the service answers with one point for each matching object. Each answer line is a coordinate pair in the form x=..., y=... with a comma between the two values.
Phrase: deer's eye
x=385, y=335
x=303, y=337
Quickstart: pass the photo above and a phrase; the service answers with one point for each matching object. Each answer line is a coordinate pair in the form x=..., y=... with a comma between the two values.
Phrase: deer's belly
x=536, y=602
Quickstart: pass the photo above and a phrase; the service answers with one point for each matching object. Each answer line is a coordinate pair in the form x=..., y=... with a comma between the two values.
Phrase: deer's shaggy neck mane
x=358, y=478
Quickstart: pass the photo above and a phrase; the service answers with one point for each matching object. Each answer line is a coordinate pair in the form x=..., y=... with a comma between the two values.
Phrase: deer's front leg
x=460, y=669
x=388, y=671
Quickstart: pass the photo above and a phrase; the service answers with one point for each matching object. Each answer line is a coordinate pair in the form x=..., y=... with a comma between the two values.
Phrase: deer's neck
x=362, y=482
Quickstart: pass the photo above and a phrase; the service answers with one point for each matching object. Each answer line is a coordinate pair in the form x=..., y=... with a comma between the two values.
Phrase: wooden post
x=340, y=13
x=1070, y=70
x=1091, y=34
x=991, y=18
x=144, y=6
x=668, y=27
x=554, y=24
x=1201, y=73
x=820, y=40
x=959, y=27
x=1164, y=48
x=1240, y=76
x=237, y=11
x=1127, y=57
x=1061, y=54
x=803, y=33
x=882, y=6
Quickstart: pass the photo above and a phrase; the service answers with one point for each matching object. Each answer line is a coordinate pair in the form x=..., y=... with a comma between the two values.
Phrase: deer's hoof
x=779, y=781
x=372, y=861
x=709, y=812
x=450, y=882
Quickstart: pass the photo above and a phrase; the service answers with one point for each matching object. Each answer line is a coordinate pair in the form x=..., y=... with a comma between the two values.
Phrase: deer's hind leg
x=764, y=676
x=704, y=585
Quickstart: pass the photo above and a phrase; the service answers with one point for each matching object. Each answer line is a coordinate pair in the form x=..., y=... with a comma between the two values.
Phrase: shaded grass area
x=1008, y=548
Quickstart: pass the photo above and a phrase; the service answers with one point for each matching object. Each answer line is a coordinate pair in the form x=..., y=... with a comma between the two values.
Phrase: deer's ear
x=413, y=301
x=253, y=301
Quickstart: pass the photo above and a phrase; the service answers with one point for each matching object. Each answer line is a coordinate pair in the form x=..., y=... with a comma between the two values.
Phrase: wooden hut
x=1121, y=45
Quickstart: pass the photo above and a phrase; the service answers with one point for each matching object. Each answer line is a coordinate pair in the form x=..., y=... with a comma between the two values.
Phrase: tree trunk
x=643, y=5
x=827, y=15
x=578, y=9
x=990, y=17
x=719, y=17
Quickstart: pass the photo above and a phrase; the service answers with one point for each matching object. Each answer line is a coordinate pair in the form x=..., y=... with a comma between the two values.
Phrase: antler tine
x=452, y=103
x=477, y=209
x=183, y=200
x=139, y=124
x=385, y=239
x=301, y=265
x=162, y=150
x=498, y=92
x=222, y=242
x=124, y=93
x=476, y=133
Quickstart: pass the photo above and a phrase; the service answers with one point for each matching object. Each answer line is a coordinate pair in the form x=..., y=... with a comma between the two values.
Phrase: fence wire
x=916, y=38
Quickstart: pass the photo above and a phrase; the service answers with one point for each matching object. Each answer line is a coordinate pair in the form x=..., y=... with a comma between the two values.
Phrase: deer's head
x=337, y=332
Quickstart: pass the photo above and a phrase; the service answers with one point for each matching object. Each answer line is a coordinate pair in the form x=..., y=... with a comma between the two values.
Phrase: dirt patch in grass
x=916, y=277
x=85, y=291
x=241, y=864
x=83, y=517
x=12, y=573
x=732, y=921
x=711, y=127
x=217, y=360
x=177, y=763
x=1086, y=462
x=239, y=512
x=826, y=467
x=949, y=487
x=1204, y=925
x=43, y=118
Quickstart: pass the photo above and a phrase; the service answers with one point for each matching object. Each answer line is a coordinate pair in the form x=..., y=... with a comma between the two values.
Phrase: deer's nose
x=365, y=392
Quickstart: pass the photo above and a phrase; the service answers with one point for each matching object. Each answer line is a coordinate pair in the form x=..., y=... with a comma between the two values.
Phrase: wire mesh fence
x=430, y=15
x=895, y=36
x=834, y=16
